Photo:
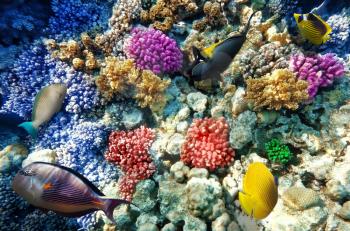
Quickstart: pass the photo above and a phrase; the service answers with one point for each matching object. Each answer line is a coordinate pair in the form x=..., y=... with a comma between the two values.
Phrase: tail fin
x=245, y=31
x=110, y=206
x=28, y=126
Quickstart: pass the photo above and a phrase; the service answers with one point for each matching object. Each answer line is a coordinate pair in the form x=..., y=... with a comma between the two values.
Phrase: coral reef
x=318, y=70
x=207, y=145
x=278, y=152
x=129, y=150
x=214, y=16
x=166, y=12
x=280, y=89
x=153, y=50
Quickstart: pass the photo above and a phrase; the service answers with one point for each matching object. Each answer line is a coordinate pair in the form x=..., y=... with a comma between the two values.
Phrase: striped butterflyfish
x=313, y=28
x=260, y=194
x=60, y=189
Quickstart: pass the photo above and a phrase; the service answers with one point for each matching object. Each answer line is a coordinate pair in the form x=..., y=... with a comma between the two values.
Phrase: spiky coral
x=279, y=90
x=118, y=76
x=165, y=12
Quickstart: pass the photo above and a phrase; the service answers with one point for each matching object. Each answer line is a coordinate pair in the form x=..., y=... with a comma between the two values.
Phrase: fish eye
x=300, y=18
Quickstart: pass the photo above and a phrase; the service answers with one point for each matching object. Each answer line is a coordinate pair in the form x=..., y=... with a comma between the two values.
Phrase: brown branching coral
x=214, y=16
x=79, y=53
x=279, y=90
x=119, y=76
x=166, y=12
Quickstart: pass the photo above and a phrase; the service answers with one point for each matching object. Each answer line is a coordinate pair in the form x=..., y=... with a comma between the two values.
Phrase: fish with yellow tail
x=260, y=193
x=60, y=189
x=212, y=61
x=47, y=103
x=313, y=28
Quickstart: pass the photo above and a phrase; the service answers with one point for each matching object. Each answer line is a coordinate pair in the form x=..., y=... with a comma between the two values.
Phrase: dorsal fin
x=77, y=174
x=246, y=28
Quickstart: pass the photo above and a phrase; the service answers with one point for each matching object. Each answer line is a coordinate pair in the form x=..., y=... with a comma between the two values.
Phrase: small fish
x=260, y=193
x=313, y=28
x=9, y=124
x=215, y=59
x=47, y=102
x=60, y=189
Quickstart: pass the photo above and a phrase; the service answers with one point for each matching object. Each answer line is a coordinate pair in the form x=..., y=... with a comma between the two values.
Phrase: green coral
x=278, y=152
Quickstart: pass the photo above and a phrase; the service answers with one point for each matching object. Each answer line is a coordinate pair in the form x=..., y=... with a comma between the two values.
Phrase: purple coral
x=317, y=70
x=153, y=50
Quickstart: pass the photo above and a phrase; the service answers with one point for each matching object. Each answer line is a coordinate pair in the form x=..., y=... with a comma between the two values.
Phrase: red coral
x=207, y=145
x=129, y=150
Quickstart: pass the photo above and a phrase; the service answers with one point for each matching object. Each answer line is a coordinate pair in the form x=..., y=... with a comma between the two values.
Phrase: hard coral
x=129, y=150
x=214, y=16
x=280, y=89
x=153, y=50
x=317, y=70
x=118, y=76
x=166, y=12
x=278, y=152
x=124, y=11
x=207, y=145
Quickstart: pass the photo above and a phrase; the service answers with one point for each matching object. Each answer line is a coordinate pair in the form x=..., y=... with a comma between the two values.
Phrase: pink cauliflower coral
x=129, y=150
x=317, y=70
x=153, y=50
x=207, y=144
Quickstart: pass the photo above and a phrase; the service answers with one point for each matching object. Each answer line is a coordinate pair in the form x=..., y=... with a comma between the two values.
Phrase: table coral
x=166, y=12
x=279, y=90
x=207, y=145
x=318, y=70
x=153, y=50
x=129, y=150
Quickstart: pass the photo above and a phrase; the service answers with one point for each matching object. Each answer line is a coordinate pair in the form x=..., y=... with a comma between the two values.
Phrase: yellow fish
x=313, y=28
x=260, y=193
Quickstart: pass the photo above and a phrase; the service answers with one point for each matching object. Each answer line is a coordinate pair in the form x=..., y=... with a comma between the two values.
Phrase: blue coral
x=35, y=69
x=72, y=17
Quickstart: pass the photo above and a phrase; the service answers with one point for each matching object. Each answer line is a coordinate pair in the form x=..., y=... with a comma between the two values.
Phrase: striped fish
x=60, y=189
x=313, y=28
x=260, y=193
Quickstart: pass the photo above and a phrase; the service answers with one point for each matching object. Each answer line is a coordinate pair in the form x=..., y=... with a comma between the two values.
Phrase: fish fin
x=246, y=28
x=109, y=206
x=198, y=55
x=208, y=51
x=30, y=129
x=86, y=181
x=76, y=214
x=247, y=203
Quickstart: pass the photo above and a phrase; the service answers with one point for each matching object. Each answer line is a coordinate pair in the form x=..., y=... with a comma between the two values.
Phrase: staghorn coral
x=318, y=70
x=119, y=76
x=124, y=12
x=207, y=145
x=214, y=16
x=166, y=12
x=153, y=50
x=279, y=90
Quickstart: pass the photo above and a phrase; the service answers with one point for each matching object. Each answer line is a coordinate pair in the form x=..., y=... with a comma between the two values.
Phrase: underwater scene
x=171, y=115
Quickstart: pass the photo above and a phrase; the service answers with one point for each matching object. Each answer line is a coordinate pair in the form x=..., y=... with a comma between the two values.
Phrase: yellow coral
x=150, y=90
x=118, y=75
x=280, y=89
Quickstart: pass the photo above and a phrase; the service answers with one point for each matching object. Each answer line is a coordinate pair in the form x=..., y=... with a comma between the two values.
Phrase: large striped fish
x=61, y=190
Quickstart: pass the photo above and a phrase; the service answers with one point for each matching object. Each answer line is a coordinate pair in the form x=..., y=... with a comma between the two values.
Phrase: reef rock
x=242, y=129
x=299, y=198
x=197, y=101
x=45, y=155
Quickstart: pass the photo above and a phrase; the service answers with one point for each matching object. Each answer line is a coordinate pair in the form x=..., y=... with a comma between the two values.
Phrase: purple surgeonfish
x=61, y=190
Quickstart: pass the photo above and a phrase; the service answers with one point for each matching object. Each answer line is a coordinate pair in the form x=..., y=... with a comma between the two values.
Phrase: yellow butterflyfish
x=260, y=193
x=313, y=28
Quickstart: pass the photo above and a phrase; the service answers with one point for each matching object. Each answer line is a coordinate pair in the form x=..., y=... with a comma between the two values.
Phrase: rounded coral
x=207, y=144
x=153, y=50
